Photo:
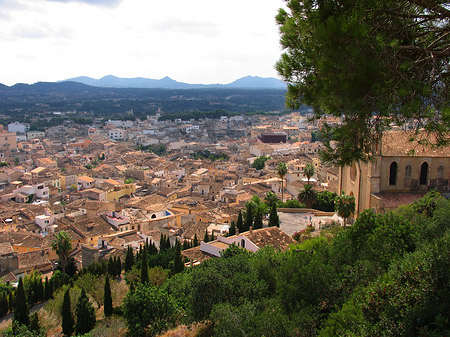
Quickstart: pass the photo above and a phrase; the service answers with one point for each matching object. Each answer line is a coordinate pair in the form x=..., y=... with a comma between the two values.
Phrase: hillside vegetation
x=387, y=275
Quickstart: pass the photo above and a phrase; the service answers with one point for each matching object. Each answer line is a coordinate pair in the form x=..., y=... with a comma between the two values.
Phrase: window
x=353, y=172
x=408, y=171
x=424, y=174
x=393, y=174
x=243, y=243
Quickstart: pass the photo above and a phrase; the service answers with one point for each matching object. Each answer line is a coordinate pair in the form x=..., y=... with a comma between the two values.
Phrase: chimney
x=237, y=231
x=251, y=229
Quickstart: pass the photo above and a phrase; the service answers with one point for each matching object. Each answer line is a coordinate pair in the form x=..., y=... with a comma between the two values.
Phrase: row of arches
x=423, y=178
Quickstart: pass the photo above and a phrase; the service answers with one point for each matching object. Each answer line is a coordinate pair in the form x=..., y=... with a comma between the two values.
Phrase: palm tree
x=308, y=195
x=345, y=206
x=282, y=171
x=270, y=199
x=309, y=171
x=62, y=245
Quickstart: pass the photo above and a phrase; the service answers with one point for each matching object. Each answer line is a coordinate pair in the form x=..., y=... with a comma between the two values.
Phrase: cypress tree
x=144, y=268
x=34, y=323
x=47, y=290
x=258, y=220
x=39, y=290
x=118, y=266
x=162, y=243
x=11, y=301
x=206, y=237
x=21, y=310
x=111, y=267
x=3, y=304
x=129, y=259
x=153, y=249
x=67, y=318
x=107, y=299
x=103, y=267
x=30, y=291
x=232, y=229
x=178, y=265
x=240, y=223
x=274, y=220
x=248, y=218
x=85, y=315
x=196, y=243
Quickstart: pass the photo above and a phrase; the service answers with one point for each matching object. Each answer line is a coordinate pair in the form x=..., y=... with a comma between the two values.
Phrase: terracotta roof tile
x=397, y=143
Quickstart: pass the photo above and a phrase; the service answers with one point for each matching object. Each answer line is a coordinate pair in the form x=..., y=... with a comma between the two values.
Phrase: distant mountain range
x=110, y=81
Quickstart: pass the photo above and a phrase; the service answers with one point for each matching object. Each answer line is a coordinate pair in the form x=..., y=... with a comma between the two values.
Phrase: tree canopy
x=373, y=63
x=62, y=245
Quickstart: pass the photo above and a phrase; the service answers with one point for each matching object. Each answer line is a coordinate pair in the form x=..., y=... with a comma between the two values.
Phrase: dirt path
x=6, y=321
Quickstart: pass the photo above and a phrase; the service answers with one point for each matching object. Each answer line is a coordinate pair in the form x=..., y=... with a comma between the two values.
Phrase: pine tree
x=67, y=318
x=3, y=304
x=21, y=310
x=129, y=259
x=34, y=323
x=107, y=299
x=144, y=268
x=85, y=315
x=240, y=222
x=274, y=220
x=178, y=265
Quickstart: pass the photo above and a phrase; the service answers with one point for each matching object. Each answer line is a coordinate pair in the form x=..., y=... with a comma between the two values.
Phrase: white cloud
x=183, y=26
x=41, y=31
x=107, y=3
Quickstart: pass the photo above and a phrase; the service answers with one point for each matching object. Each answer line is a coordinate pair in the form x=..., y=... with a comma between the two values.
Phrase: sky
x=192, y=41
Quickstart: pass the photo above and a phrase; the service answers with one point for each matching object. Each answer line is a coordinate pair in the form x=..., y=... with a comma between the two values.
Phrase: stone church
x=400, y=172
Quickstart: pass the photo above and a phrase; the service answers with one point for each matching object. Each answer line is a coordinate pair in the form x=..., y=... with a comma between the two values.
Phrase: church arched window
x=424, y=174
x=393, y=174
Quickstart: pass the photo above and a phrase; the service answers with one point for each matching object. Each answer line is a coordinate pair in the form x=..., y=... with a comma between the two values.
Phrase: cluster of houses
x=93, y=182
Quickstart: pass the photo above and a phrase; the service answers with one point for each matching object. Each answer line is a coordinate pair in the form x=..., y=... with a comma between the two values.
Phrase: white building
x=35, y=134
x=46, y=222
x=18, y=127
x=120, y=124
x=39, y=190
x=117, y=134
